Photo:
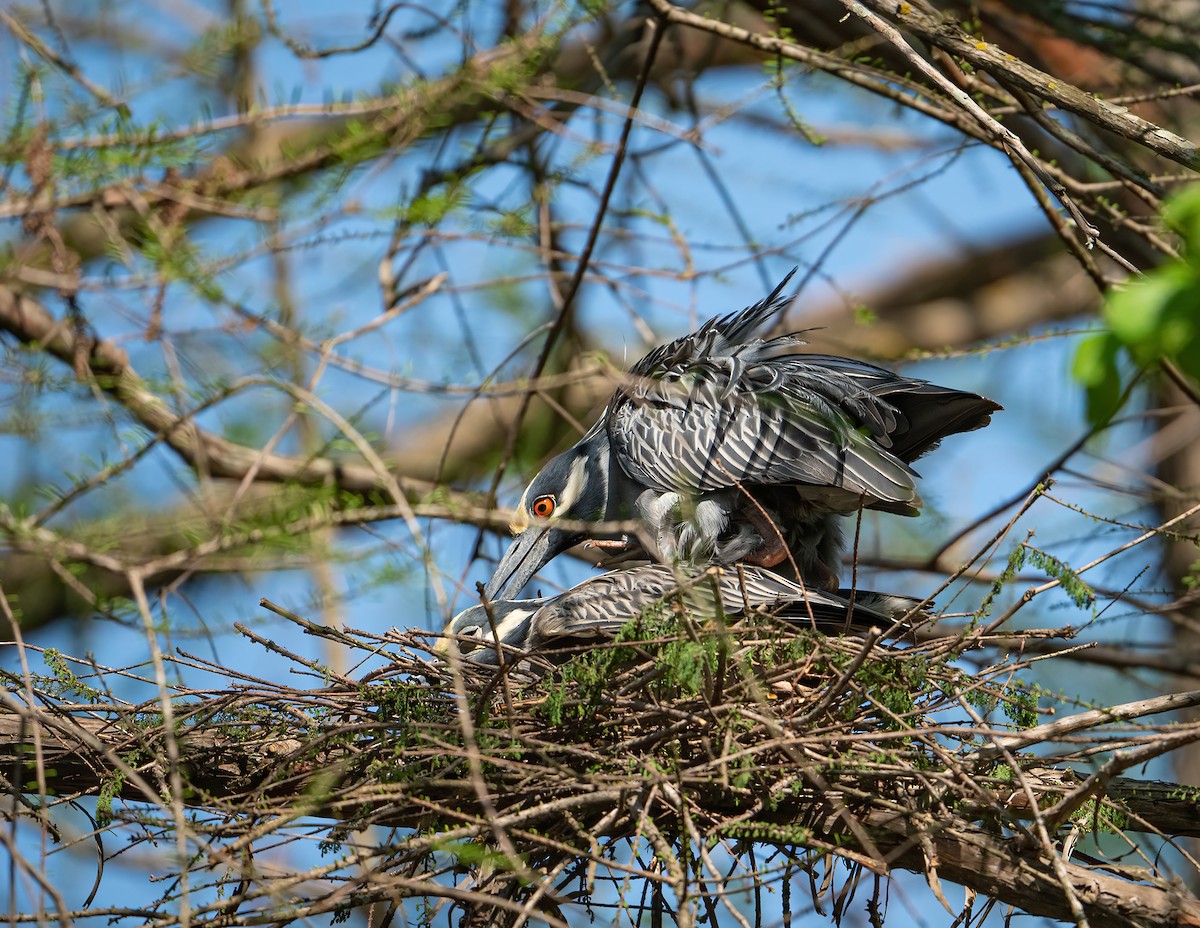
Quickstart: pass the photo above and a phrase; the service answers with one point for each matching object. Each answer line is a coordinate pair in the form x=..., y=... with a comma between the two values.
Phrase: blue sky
x=795, y=197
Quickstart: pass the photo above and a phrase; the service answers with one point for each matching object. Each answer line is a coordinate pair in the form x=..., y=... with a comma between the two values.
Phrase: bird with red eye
x=729, y=447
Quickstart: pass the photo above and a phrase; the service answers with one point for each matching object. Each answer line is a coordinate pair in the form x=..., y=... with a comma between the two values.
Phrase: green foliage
x=984, y=700
x=766, y=831
x=1154, y=318
x=477, y=854
x=431, y=207
x=406, y=703
x=1020, y=704
x=1018, y=701
x=1016, y=561
x=210, y=53
x=588, y=675
x=512, y=224
x=1101, y=814
x=408, y=712
x=135, y=151
x=329, y=846
x=110, y=788
x=1097, y=369
x=745, y=766
x=180, y=260
x=864, y=314
x=687, y=662
x=894, y=683
x=781, y=650
x=67, y=683
x=1073, y=585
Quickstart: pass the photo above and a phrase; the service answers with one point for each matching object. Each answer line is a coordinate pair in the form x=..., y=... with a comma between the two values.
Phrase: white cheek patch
x=574, y=486
x=563, y=501
x=507, y=625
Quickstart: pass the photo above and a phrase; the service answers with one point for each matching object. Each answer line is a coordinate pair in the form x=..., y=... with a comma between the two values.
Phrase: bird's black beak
x=528, y=552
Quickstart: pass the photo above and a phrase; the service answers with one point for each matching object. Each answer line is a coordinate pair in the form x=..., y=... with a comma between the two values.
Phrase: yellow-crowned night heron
x=733, y=449
x=598, y=607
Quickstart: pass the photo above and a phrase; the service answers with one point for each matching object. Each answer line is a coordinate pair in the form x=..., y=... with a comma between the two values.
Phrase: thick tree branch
x=79, y=753
x=31, y=323
x=944, y=33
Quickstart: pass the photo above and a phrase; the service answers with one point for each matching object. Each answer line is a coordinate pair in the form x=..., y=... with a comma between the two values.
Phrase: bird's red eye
x=543, y=507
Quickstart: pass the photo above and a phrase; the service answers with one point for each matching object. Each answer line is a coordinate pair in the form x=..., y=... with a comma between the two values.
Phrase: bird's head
x=472, y=630
x=572, y=487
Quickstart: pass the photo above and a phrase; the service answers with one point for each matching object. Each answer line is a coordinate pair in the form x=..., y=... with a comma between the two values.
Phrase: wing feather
x=752, y=439
x=705, y=413
x=603, y=605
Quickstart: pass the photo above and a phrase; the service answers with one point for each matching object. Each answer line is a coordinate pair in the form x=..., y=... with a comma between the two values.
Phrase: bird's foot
x=819, y=577
x=823, y=577
x=607, y=544
x=773, y=551
x=768, y=555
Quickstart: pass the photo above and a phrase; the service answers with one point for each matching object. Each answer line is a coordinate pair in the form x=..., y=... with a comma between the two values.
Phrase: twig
x=581, y=264
x=69, y=68
x=1085, y=720
x=1004, y=137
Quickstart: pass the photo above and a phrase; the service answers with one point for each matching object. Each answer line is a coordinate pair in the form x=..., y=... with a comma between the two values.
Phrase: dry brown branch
x=552, y=778
x=30, y=322
x=940, y=31
x=358, y=265
x=939, y=95
x=401, y=123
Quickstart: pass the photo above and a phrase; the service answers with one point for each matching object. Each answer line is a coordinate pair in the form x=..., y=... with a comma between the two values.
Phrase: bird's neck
x=620, y=490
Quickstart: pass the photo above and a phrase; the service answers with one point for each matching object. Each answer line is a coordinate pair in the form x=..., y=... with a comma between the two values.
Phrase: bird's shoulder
x=763, y=372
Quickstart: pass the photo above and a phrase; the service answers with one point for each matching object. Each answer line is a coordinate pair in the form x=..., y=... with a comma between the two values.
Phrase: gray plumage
x=598, y=607
x=728, y=448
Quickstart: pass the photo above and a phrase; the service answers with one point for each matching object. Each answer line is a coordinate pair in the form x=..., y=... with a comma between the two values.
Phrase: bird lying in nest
x=599, y=607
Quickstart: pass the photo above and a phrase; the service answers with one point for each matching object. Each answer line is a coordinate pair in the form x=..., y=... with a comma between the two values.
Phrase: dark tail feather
x=932, y=413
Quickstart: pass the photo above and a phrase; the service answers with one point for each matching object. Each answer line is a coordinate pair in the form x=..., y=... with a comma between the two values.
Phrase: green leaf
x=1133, y=313
x=1179, y=328
x=1181, y=214
x=1096, y=368
x=1153, y=318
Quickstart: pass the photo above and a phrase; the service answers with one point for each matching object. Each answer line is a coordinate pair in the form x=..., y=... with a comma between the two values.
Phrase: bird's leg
x=822, y=577
x=772, y=552
x=768, y=554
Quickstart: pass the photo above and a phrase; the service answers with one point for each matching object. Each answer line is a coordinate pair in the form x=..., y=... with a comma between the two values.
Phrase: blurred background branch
x=264, y=265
